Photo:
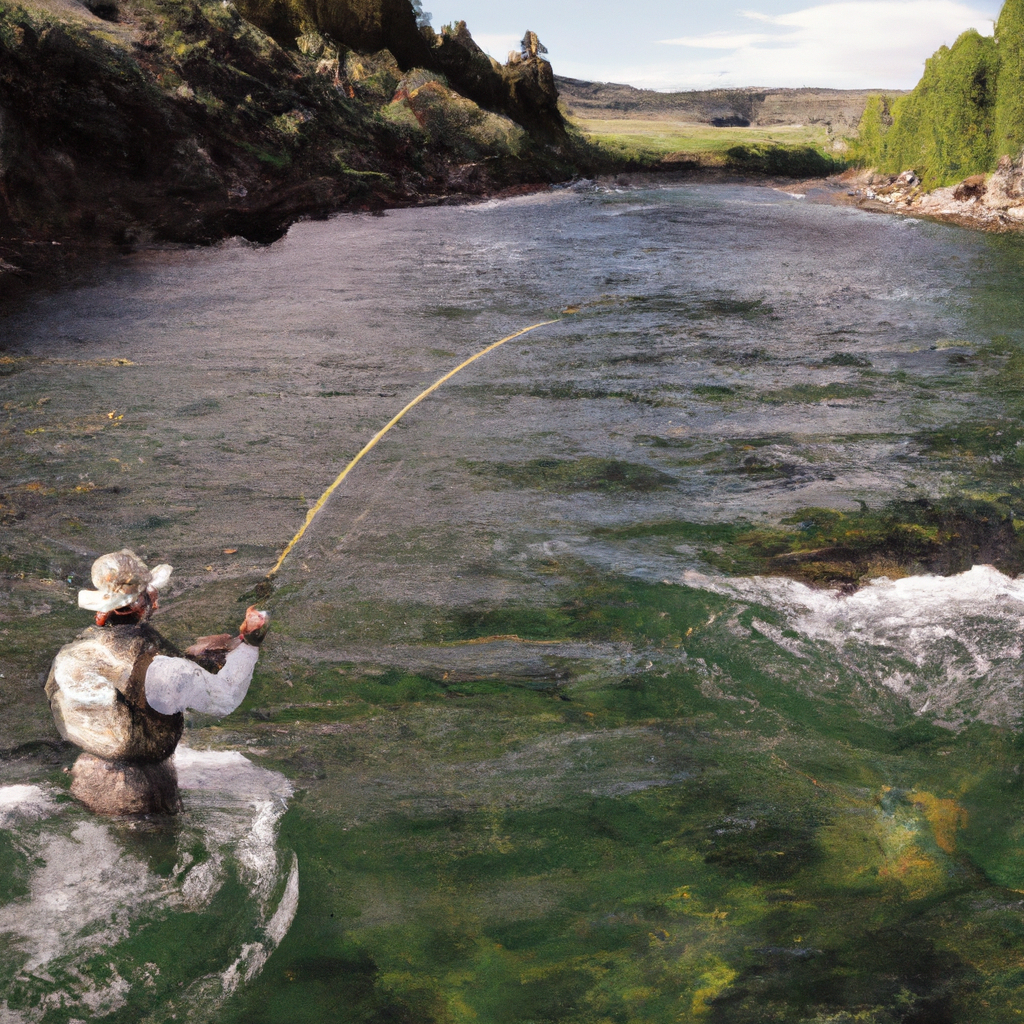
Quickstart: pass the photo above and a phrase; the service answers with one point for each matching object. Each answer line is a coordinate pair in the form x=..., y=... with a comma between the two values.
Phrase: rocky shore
x=989, y=203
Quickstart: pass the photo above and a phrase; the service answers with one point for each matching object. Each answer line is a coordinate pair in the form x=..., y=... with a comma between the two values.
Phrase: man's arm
x=174, y=684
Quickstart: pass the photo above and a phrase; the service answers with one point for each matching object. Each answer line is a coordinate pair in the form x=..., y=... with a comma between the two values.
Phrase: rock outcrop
x=180, y=120
x=992, y=203
x=523, y=90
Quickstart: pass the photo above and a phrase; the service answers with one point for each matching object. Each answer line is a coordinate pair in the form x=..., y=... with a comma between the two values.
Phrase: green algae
x=846, y=359
x=816, y=393
x=692, y=840
x=646, y=848
x=650, y=810
x=820, y=545
x=584, y=474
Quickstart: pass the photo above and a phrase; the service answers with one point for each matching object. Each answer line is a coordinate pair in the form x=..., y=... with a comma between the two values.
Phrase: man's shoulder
x=125, y=642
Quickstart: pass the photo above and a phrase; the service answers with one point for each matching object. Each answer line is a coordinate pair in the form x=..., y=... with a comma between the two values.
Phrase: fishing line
x=311, y=514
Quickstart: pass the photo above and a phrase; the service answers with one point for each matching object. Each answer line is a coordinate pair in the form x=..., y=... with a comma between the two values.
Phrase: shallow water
x=561, y=752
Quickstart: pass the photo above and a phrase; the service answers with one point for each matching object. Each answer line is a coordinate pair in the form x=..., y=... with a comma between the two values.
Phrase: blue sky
x=695, y=44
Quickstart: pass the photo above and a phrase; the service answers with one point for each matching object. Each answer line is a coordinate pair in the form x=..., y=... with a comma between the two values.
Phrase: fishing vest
x=97, y=693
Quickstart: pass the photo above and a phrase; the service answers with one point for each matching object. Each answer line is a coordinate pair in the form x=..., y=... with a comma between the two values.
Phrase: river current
x=557, y=720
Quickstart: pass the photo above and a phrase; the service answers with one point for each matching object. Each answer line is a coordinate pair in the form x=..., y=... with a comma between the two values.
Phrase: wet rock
x=119, y=787
x=992, y=202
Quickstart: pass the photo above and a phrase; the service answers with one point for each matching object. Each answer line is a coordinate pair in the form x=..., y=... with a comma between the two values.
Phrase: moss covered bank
x=129, y=121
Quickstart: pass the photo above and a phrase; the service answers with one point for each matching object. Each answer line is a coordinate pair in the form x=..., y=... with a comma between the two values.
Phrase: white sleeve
x=173, y=684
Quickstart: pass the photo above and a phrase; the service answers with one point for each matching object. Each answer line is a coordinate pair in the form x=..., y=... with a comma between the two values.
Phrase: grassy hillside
x=650, y=143
x=786, y=132
x=128, y=121
x=965, y=113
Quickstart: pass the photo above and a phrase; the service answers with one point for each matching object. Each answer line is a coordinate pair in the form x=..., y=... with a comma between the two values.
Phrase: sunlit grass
x=662, y=137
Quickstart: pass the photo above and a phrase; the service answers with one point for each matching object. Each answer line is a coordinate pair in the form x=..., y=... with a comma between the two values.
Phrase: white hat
x=119, y=578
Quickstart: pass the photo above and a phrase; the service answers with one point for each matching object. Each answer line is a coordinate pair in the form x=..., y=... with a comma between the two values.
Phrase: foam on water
x=24, y=803
x=90, y=888
x=950, y=644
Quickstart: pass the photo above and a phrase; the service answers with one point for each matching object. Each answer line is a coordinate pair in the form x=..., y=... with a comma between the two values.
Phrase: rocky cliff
x=841, y=108
x=182, y=120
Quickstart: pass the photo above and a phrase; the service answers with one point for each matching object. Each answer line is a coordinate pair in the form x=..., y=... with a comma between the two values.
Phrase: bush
x=1010, y=103
x=945, y=128
x=875, y=122
x=965, y=113
x=786, y=161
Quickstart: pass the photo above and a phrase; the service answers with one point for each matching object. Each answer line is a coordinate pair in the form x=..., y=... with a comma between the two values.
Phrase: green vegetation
x=816, y=393
x=183, y=121
x=694, y=841
x=584, y=474
x=650, y=143
x=819, y=545
x=965, y=113
x=1010, y=102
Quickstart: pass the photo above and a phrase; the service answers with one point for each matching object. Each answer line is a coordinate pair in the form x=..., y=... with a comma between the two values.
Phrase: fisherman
x=119, y=688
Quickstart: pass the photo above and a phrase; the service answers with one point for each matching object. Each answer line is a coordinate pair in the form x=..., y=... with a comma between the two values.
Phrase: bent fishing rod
x=265, y=587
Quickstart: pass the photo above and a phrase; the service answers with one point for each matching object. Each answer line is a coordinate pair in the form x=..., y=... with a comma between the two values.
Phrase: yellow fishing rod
x=261, y=590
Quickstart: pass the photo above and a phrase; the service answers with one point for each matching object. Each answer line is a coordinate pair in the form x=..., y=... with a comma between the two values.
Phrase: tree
x=1010, y=106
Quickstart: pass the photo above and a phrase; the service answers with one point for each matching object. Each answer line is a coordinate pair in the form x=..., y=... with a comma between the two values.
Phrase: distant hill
x=840, y=108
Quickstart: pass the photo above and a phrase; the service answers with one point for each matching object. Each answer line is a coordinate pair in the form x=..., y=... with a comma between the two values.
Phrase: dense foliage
x=1010, y=104
x=965, y=113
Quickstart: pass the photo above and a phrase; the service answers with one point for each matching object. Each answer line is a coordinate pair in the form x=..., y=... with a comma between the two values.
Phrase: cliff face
x=180, y=120
x=366, y=26
x=523, y=90
x=841, y=108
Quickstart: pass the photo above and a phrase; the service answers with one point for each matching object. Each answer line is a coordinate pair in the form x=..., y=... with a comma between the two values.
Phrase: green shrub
x=786, y=161
x=868, y=149
x=1010, y=103
x=944, y=129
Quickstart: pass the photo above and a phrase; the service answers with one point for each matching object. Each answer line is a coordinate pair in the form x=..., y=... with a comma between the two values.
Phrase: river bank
x=981, y=202
x=139, y=123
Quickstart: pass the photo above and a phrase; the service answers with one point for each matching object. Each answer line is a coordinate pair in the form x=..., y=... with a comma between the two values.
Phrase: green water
x=649, y=672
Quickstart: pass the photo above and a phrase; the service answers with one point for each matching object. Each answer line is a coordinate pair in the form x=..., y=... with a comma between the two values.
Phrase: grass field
x=648, y=141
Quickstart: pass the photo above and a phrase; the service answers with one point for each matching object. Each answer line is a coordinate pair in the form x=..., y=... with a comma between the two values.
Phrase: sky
x=697, y=44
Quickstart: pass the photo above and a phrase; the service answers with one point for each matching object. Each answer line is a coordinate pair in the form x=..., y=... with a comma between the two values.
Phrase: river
x=664, y=665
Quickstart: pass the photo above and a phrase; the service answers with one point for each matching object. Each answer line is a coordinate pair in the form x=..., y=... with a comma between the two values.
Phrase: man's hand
x=254, y=628
x=211, y=651
x=221, y=643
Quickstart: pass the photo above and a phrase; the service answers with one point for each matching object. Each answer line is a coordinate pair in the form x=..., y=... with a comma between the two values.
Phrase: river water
x=663, y=665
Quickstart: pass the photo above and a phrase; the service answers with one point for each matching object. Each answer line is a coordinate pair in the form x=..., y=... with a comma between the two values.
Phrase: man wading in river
x=118, y=689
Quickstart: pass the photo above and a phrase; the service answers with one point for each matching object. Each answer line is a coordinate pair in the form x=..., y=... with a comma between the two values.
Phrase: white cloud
x=854, y=44
x=717, y=41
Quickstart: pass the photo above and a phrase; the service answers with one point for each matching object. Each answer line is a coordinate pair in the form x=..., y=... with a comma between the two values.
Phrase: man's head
x=125, y=587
